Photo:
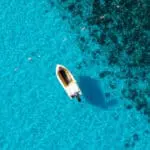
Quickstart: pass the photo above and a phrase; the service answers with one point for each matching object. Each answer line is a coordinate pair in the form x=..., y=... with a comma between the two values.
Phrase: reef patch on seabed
x=119, y=30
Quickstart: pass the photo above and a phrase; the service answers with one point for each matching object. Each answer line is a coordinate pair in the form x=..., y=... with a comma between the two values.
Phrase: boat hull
x=67, y=81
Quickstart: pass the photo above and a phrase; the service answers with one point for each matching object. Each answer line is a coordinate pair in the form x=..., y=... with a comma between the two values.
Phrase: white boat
x=68, y=82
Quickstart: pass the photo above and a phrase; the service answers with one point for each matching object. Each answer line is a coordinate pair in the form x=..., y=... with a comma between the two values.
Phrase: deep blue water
x=35, y=112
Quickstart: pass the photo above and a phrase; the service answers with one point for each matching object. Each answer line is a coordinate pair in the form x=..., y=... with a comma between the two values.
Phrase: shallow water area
x=35, y=112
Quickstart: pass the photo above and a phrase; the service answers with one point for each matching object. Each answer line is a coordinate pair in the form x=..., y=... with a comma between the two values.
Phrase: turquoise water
x=35, y=112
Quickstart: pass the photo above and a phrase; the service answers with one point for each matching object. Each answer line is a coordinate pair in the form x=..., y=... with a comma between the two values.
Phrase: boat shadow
x=93, y=93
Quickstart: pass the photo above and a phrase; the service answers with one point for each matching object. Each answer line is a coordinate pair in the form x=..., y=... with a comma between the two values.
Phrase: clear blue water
x=35, y=112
